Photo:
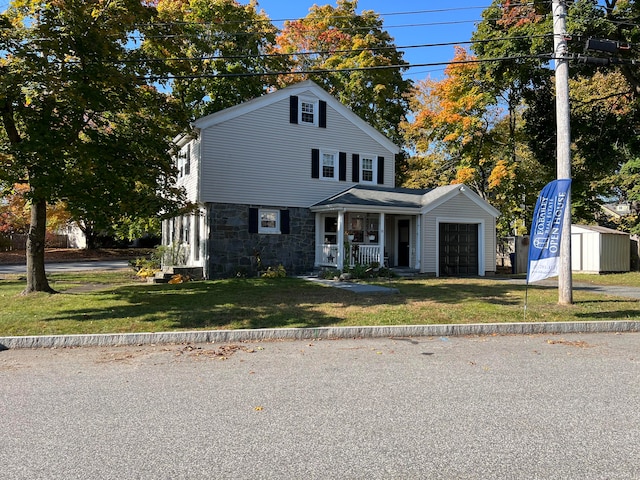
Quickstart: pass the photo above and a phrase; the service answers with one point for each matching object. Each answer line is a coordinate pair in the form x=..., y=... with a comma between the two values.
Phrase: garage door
x=458, y=249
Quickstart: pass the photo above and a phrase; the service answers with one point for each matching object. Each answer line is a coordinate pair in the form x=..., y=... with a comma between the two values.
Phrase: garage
x=458, y=247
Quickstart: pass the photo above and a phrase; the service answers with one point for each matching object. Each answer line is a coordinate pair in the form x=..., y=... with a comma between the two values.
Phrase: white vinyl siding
x=260, y=158
x=458, y=207
x=188, y=167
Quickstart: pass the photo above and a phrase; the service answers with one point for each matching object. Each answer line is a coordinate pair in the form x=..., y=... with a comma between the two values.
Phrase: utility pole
x=561, y=54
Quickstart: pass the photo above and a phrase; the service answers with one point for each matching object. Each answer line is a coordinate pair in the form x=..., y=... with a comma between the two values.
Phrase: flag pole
x=526, y=298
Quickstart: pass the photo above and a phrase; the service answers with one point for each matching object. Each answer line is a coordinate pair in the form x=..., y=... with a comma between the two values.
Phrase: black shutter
x=380, y=170
x=284, y=222
x=355, y=167
x=253, y=220
x=293, y=109
x=342, y=173
x=315, y=163
x=322, y=121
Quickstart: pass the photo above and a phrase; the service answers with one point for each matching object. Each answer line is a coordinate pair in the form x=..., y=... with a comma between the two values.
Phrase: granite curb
x=327, y=333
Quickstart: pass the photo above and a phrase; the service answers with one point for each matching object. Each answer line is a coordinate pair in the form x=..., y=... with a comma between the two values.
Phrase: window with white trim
x=308, y=111
x=368, y=168
x=268, y=221
x=329, y=165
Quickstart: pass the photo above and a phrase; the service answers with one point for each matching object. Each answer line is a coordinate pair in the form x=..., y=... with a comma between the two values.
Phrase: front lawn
x=115, y=302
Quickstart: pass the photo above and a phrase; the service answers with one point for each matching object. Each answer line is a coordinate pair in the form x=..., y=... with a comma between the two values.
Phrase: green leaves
x=341, y=41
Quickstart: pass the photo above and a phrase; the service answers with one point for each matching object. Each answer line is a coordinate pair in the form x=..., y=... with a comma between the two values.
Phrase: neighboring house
x=295, y=178
x=616, y=210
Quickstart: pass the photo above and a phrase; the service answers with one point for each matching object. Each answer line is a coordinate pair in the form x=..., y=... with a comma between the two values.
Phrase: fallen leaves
x=577, y=343
x=221, y=353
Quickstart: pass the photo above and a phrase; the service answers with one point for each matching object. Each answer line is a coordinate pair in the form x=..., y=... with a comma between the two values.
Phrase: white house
x=296, y=178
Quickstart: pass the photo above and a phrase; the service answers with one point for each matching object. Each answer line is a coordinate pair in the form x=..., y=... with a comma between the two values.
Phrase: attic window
x=308, y=112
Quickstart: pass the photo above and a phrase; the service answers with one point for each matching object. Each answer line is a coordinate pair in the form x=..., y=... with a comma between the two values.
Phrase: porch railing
x=329, y=255
x=362, y=254
x=366, y=254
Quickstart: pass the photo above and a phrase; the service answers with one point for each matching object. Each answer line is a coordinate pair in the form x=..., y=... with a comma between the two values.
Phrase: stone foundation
x=233, y=251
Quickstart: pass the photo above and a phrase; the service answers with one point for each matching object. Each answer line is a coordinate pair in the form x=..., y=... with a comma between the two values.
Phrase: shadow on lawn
x=266, y=303
x=236, y=303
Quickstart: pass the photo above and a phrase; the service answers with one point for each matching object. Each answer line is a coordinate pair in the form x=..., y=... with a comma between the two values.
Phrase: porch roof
x=374, y=197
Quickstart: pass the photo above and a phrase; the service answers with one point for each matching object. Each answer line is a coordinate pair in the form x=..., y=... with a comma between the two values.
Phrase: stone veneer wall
x=232, y=249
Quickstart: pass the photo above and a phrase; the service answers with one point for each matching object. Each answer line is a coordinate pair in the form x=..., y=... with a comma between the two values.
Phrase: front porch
x=370, y=224
x=345, y=239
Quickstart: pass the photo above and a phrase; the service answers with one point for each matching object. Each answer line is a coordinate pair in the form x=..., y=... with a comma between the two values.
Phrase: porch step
x=405, y=272
x=163, y=276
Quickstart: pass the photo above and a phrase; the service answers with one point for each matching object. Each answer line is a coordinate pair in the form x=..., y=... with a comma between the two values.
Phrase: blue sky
x=409, y=22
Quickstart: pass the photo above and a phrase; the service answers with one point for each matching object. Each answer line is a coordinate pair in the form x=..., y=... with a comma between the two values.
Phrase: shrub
x=278, y=272
x=330, y=273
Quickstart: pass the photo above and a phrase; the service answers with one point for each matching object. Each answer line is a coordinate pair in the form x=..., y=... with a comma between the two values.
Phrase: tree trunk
x=36, y=276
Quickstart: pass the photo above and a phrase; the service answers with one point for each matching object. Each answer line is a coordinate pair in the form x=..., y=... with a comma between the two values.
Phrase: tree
x=338, y=42
x=71, y=83
x=605, y=89
x=214, y=52
x=15, y=212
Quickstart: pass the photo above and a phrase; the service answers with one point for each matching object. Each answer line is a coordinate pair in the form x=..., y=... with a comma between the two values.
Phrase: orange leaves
x=518, y=15
x=465, y=175
x=501, y=172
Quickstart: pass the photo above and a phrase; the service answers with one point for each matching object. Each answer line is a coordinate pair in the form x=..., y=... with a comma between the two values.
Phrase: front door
x=403, y=242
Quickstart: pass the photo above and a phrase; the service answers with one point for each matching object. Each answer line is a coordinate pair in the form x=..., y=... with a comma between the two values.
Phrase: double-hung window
x=268, y=221
x=329, y=165
x=307, y=112
x=367, y=168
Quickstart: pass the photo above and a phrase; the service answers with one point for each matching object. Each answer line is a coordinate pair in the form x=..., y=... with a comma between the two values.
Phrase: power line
x=158, y=78
x=315, y=52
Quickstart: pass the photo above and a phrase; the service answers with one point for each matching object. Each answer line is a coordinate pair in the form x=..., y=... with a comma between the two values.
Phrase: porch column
x=381, y=238
x=418, y=242
x=340, y=240
x=318, y=241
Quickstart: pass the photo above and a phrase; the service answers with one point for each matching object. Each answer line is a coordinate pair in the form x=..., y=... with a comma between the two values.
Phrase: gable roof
x=399, y=200
x=308, y=86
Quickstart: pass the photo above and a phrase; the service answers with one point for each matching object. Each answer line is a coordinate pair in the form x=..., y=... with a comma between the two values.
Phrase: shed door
x=458, y=249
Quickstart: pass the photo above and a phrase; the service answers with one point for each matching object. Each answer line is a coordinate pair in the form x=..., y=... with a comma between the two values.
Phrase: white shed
x=596, y=249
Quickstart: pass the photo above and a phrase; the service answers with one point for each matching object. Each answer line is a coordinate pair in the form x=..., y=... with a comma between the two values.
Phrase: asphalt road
x=508, y=407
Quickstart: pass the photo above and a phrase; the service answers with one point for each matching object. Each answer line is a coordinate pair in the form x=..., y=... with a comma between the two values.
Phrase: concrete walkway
x=354, y=287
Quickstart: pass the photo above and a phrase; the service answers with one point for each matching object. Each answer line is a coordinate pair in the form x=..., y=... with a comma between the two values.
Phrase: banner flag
x=546, y=230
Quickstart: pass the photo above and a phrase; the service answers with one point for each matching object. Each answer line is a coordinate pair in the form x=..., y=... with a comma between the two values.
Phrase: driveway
x=530, y=407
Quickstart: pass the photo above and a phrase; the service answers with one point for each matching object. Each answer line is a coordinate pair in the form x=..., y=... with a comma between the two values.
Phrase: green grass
x=115, y=302
x=630, y=279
